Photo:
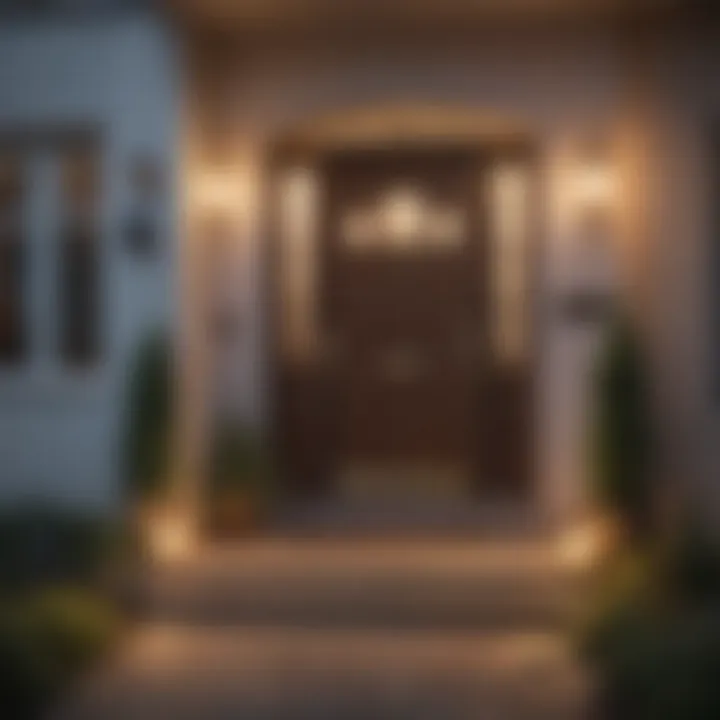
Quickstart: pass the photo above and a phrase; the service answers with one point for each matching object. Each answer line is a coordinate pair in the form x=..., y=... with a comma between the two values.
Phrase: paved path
x=446, y=630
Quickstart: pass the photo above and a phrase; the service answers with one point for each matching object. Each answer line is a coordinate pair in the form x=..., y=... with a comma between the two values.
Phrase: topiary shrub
x=149, y=416
x=621, y=434
x=41, y=545
x=241, y=482
x=47, y=639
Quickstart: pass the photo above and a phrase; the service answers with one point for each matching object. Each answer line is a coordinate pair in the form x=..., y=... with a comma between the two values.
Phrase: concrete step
x=179, y=673
x=366, y=584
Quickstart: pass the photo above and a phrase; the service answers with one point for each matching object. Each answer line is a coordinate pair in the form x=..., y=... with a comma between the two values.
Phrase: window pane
x=298, y=205
x=79, y=258
x=12, y=262
x=509, y=211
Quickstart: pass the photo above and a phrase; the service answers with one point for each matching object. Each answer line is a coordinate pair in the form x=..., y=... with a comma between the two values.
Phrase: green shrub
x=43, y=545
x=691, y=568
x=149, y=420
x=241, y=463
x=621, y=442
x=659, y=665
x=653, y=634
x=46, y=640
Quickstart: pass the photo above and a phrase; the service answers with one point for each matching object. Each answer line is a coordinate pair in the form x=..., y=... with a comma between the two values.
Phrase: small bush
x=691, y=568
x=46, y=640
x=241, y=463
x=149, y=420
x=621, y=442
x=42, y=545
x=653, y=635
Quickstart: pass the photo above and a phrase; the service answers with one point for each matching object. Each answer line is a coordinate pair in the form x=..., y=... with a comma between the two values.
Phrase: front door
x=405, y=394
x=404, y=312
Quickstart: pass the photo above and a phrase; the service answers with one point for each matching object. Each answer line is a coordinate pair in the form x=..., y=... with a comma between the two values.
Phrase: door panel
x=404, y=312
x=412, y=387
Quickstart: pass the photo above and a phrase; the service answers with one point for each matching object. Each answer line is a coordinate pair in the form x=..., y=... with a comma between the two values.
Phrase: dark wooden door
x=404, y=310
x=406, y=382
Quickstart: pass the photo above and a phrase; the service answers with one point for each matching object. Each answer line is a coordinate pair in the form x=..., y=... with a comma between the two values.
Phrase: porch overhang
x=331, y=17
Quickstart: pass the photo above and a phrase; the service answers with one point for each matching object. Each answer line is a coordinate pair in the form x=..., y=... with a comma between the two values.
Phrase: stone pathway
x=374, y=630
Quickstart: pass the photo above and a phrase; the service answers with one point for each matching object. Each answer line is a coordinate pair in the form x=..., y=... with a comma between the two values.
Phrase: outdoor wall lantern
x=221, y=199
x=588, y=300
x=142, y=226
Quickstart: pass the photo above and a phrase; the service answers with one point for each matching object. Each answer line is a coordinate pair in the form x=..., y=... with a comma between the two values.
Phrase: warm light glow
x=403, y=215
x=298, y=200
x=581, y=546
x=226, y=191
x=595, y=185
x=169, y=536
x=509, y=208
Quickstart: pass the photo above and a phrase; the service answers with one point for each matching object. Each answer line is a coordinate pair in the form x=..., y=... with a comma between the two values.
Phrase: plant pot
x=233, y=515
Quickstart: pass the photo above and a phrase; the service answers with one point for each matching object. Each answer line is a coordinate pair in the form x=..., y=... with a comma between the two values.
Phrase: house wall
x=678, y=268
x=562, y=86
x=60, y=431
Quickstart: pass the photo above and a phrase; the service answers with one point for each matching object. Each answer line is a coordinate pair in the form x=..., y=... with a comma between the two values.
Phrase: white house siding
x=562, y=86
x=59, y=431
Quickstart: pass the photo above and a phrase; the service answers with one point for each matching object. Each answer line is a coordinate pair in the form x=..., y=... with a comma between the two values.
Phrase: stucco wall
x=59, y=431
x=680, y=104
x=562, y=87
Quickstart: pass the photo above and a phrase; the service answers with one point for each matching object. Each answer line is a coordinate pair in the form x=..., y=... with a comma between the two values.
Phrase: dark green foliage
x=621, y=431
x=149, y=420
x=46, y=640
x=654, y=634
x=41, y=545
x=240, y=463
x=660, y=666
x=56, y=618
x=691, y=569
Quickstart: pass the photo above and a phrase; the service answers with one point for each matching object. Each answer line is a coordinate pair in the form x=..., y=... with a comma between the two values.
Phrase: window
x=403, y=219
x=12, y=261
x=299, y=196
x=49, y=248
x=78, y=238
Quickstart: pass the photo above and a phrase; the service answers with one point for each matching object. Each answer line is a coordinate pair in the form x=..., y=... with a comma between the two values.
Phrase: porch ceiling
x=299, y=14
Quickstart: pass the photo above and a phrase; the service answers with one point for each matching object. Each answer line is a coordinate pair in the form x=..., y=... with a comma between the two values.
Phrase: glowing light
x=403, y=214
x=595, y=185
x=226, y=191
x=581, y=546
x=169, y=536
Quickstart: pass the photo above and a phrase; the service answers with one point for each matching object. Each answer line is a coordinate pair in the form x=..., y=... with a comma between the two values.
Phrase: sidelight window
x=298, y=216
x=509, y=211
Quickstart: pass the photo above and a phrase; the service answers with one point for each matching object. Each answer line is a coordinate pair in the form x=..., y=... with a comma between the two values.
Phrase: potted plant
x=239, y=490
x=621, y=441
x=147, y=436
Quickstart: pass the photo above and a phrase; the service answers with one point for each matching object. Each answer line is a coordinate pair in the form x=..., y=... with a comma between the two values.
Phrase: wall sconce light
x=141, y=228
x=589, y=300
x=595, y=191
x=222, y=194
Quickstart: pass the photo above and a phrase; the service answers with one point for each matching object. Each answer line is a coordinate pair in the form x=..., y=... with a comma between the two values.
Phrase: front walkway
x=339, y=630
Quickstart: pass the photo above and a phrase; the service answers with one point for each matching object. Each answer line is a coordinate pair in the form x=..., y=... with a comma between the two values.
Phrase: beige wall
x=680, y=98
x=563, y=87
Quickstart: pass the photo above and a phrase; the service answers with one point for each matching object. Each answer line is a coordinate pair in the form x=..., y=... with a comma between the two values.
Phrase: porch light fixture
x=403, y=214
x=589, y=299
x=222, y=193
x=142, y=226
x=595, y=183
